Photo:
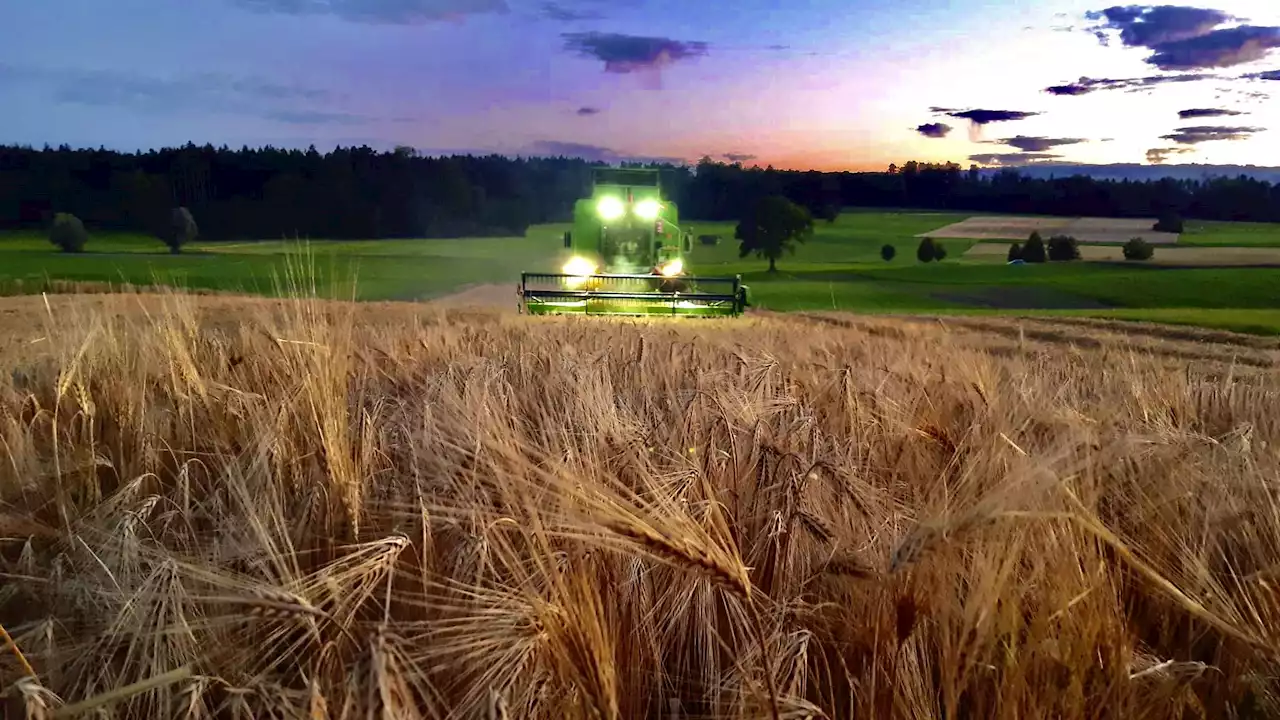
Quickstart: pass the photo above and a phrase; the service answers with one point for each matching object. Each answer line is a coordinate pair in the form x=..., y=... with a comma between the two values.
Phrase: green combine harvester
x=628, y=257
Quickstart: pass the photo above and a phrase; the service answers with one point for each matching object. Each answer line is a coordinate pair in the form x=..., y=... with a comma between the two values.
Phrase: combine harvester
x=628, y=258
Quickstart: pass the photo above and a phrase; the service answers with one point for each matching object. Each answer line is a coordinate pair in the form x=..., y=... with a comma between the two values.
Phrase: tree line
x=358, y=192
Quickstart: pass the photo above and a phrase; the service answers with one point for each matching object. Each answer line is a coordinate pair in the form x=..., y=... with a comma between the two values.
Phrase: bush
x=1138, y=249
x=1033, y=251
x=1169, y=222
x=1015, y=252
x=709, y=239
x=1063, y=248
x=939, y=252
x=182, y=229
x=925, y=253
x=888, y=252
x=68, y=233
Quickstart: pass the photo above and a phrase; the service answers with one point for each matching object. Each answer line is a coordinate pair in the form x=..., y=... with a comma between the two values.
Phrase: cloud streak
x=1207, y=113
x=986, y=117
x=198, y=93
x=378, y=12
x=592, y=153
x=564, y=12
x=1086, y=85
x=1011, y=159
x=1157, y=156
x=623, y=54
x=316, y=117
x=1037, y=144
x=1210, y=133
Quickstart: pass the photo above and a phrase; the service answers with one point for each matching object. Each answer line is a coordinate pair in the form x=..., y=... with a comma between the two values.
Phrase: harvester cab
x=628, y=255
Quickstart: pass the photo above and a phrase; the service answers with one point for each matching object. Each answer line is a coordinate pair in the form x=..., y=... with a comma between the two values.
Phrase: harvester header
x=628, y=256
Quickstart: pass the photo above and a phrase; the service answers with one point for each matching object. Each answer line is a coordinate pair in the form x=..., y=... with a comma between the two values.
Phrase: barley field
x=220, y=507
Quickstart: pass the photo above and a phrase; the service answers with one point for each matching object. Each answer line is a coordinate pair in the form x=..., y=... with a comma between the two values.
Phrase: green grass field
x=381, y=269
x=1229, y=234
x=838, y=269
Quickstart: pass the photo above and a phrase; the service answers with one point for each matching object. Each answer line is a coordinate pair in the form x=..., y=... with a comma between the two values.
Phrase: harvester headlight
x=610, y=208
x=648, y=209
x=579, y=266
x=673, y=268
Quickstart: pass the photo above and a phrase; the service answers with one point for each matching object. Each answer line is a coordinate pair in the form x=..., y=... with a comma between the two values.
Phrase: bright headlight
x=610, y=208
x=648, y=209
x=579, y=266
x=673, y=268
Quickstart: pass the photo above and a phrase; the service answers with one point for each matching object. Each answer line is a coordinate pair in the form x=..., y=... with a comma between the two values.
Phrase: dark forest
x=354, y=193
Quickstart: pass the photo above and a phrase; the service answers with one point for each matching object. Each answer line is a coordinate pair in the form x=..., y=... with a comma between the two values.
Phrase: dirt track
x=1176, y=256
x=1084, y=229
x=501, y=298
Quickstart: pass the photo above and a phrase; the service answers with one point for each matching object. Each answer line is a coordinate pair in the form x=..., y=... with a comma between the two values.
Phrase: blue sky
x=808, y=83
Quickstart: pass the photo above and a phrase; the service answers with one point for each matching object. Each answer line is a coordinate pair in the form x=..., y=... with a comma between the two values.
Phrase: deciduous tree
x=773, y=227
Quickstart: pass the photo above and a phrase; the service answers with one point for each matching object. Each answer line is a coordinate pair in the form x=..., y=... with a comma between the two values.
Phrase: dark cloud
x=630, y=53
x=1011, y=159
x=1038, y=144
x=381, y=12
x=1200, y=134
x=934, y=130
x=1220, y=48
x=1070, y=89
x=588, y=111
x=592, y=153
x=1185, y=38
x=1151, y=25
x=1157, y=156
x=1207, y=113
x=739, y=157
x=984, y=117
x=1266, y=75
x=1086, y=85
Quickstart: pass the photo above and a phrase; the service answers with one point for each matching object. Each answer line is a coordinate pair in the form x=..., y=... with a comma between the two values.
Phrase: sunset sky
x=827, y=84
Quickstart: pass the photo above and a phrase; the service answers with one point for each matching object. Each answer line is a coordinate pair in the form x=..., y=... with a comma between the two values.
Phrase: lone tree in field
x=773, y=227
x=888, y=252
x=1015, y=253
x=926, y=252
x=1063, y=248
x=182, y=229
x=1169, y=222
x=68, y=233
x=1138, y=249
x=1033, y=251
